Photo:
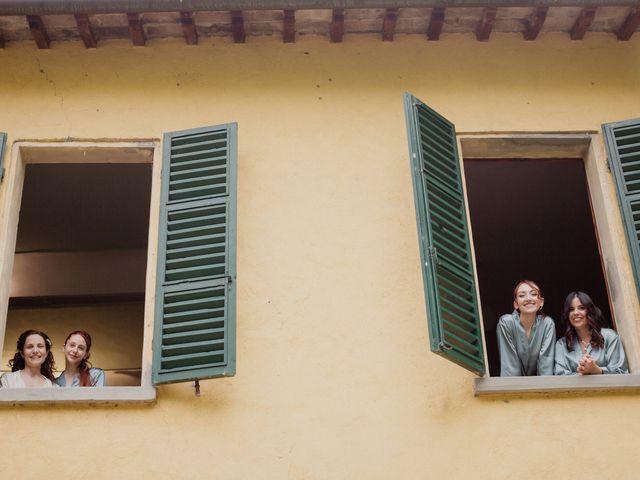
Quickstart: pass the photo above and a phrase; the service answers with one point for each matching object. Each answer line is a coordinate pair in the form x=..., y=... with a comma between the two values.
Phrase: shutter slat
x=445, y=248
x=193, y=193
x=194, y=273
x=182, y=350
x=195, y=250
x=193, y=335
x=462, y=321
x=174, y=363
x=208, y=181
x=179, y=156
x=204, y=218
x=197, y=144
x=186, y=242
x=463, y=346
x=208, y=231
x=195, y=302
x=192, y=315
x=193, y=325
x=193, y=162
x=187, y=261
x=211, y=301
x=623, y=129
x=199, y=171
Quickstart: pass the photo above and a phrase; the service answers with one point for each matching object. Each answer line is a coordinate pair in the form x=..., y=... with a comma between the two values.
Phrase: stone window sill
x=77, y=396
x=561, y=384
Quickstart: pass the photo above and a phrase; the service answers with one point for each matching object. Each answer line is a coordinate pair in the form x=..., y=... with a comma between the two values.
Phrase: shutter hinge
x=433, y=254
x=196, y=386
x=445, y=346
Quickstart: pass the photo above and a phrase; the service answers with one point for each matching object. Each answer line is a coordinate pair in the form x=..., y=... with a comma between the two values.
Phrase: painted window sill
x=561, y=384
x=77, y=396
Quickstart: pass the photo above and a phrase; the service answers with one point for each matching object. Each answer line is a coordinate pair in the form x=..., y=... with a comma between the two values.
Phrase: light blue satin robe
x=611, y=358
x=96, y=374
x=522, y=356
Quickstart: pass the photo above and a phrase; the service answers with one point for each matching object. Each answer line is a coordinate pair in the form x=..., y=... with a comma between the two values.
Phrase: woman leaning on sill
x=587, y=348
x=526, y=337
x=78, y=371
x=32, y=365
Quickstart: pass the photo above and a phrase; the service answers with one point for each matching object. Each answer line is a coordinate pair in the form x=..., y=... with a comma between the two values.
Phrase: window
x=448, y=263
x=182, y=301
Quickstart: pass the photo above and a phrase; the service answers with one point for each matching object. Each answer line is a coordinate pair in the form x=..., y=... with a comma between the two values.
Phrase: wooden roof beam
x=135, y=30
x=486, y=24
x=630, y=25
x=189, y=28
x=237, y=26
x=90, y=7
x=389, y=24
x=583, y=22
x=289, y=26
x=85, y=30
x=435, y=23
x=337, y=25
x=535, y=22
x=38, y=31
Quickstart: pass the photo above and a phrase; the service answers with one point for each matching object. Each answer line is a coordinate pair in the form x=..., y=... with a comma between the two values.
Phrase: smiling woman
x=526, y=337
x=32, y=365
x=78, y=371
x=587, y=348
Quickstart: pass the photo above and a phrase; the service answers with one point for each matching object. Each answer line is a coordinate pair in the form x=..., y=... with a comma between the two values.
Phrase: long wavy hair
x=595, y=320
x=85, y=366
x=18, y=362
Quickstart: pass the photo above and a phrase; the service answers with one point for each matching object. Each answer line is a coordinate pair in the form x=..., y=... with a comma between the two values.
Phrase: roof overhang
x=69, y=7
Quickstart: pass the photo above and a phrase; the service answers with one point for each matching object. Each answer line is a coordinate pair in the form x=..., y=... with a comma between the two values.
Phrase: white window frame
x=30, y=152
x=590, y=147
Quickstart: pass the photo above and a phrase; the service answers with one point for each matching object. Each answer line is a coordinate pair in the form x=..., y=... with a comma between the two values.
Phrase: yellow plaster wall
x=334, y=376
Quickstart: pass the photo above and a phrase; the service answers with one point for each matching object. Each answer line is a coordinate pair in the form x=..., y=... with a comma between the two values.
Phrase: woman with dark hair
x=78, y=372
x=32, y=365
x=526, y=337
x=587, y=348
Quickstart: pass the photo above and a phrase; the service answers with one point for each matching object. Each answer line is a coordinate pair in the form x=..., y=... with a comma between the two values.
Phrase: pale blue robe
x=96, y=374
x=611, y=358
x=522, y=356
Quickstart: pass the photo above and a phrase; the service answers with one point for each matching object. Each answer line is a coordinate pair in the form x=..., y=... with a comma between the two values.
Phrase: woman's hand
x=588, y=366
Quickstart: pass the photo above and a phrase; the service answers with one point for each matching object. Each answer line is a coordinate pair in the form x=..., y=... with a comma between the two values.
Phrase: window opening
x=80, y=261
x=531, y=218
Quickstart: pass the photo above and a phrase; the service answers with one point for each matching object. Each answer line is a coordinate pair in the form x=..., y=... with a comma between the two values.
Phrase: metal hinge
x=446, y=346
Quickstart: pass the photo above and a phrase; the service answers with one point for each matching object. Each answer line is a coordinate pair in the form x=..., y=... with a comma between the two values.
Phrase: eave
x=47, y=22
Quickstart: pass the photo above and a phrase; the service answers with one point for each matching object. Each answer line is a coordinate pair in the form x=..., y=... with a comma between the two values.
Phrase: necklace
x=585, y=344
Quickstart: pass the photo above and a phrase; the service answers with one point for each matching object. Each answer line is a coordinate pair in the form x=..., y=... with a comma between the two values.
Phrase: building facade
x=325, y=369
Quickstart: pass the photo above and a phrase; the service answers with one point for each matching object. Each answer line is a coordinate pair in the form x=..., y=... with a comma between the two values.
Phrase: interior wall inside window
x=80, y=261
x=531, y=219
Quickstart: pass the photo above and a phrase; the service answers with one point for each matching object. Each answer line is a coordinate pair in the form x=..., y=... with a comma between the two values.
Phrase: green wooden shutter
x=3, y=141
x=194, y=336
x=445, y=250
x=623, y=146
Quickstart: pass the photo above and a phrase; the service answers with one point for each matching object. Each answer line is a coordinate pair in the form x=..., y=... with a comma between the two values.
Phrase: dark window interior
x=80, y=261
x=531, y=219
